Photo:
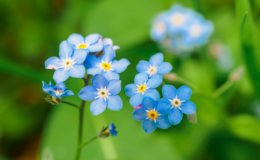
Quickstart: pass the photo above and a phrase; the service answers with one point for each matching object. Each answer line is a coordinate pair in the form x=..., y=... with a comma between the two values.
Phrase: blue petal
x=130, y=89
x=188, y=107
x=94, y=70
x=98, y=106
x=77, y=71
x=142, y=66
x=169, y=92
x=114, y=87
x=80, y=55
x=92, y=61
x=184, y=93
x=148, y=103
x=164, y=68
x=140, y=114
x=95, y=47
x=163, y=122
x=52, y=93
x=44, y=85
x=88, y=93
x=121, y=65
x=65, y=50
x=114, y=103
x=75, y=39
x=92, y=38
x=109, y=54
x=156, y=59
x=60, y=85
x=136, y=99
x=60, y=75
x=110, y=75
x=163, y=106
x=141, y=78
x=175, y=116
x=67, y=93
x=99, y=81
x=155, y=81
x=53, y=63
x=153, y=93
x=149, y=125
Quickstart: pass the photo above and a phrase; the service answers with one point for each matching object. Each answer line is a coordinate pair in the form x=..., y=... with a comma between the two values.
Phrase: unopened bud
x=192, y=117
x=107, y=131
x=170, y=76
x=237, y=74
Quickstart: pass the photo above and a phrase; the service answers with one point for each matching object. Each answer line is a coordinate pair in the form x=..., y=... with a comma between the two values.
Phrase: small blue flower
x=58, y=91
x=112, y=129
x=155, y=66
x=152, y=115
x=159, y=28
x=105, y=65
x=69, y=63
x=89, y=44
x=143, y=87
x=104, y=93
x=176, y=102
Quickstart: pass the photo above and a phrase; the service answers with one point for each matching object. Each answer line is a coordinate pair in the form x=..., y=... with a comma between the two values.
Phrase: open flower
x=155, y=66
x=176, y=102
x=69, y=63
x=58, y=91
x=151, y=115
x=104, y=93
x=88, y=44
x=143, y=87
x=105, y=65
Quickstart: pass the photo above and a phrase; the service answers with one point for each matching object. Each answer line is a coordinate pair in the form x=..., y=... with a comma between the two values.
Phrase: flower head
x=58, y=91
x=105, y=65
x=69, y=63
x=155, y=66
x=176, y=102
x=152, y=115
x=104, y=93
x=108, y=131
x=143, y=87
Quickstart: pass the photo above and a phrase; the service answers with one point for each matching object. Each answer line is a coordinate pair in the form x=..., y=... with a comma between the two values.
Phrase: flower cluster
x=149, y=108
x=76, y=54
x=180, y=29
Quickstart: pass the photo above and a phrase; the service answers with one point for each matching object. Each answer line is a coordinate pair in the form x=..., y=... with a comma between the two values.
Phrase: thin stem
x=74, y=105
x=184, y=81
x=81, y=118
x=222, y=88
x=84, y=144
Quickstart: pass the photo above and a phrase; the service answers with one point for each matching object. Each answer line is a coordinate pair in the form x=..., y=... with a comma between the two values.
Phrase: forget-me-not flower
x=112, y=129
x=159, y=28
x=152, y=115
x=143, y=87
x=58, y=91
x=104, y=93
x=105, y=65
x=69, y=63
x=155, y=66
x=176, y=102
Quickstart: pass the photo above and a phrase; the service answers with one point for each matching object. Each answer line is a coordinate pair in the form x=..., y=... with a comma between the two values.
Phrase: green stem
x=92, y=139
x=184, y=81
x=74, y=105
x=222, y=88
x=81, y=117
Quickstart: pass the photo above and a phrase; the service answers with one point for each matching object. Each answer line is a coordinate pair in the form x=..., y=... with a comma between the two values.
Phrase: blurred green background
x=228, y=126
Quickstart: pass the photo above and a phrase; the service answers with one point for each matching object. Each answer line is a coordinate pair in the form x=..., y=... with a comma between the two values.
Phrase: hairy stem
x=92, y=139
x=74, y=105
x=222, y=88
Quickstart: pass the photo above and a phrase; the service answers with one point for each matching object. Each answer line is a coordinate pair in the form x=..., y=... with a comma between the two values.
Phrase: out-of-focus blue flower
x=58, y=91
x=88, y=44
x=143, y=87
x=104, y=93
x=176, y=102
x=108, y=41
x=152, y=115
x=69, y=63
x=159, y=29
x=155, y=66
x=112, y=129
x=105, y=65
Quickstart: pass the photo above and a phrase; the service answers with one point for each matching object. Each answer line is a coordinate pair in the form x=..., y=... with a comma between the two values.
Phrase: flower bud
x=237, y=74
x=170, y=76
x=107, y=131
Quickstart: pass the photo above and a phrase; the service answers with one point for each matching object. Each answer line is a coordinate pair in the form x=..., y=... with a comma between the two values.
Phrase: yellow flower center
x=142, y=88
x=82, y=46
x=195, y=31
x=58, y=92
x=176, y=19
x=152, y=114
x=176, y=102
x=106, y=66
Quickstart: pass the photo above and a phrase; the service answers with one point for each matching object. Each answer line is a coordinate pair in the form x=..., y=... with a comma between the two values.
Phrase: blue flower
x=176, y=102
x=89, y=44
x=105, y=65
x=112, y=129
x=69, y=63
x=152, y=115
x=160, y=28
x=104, y=93
x=155, y=66
x=109, y=41
x=58, y=91
x=143, y=87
